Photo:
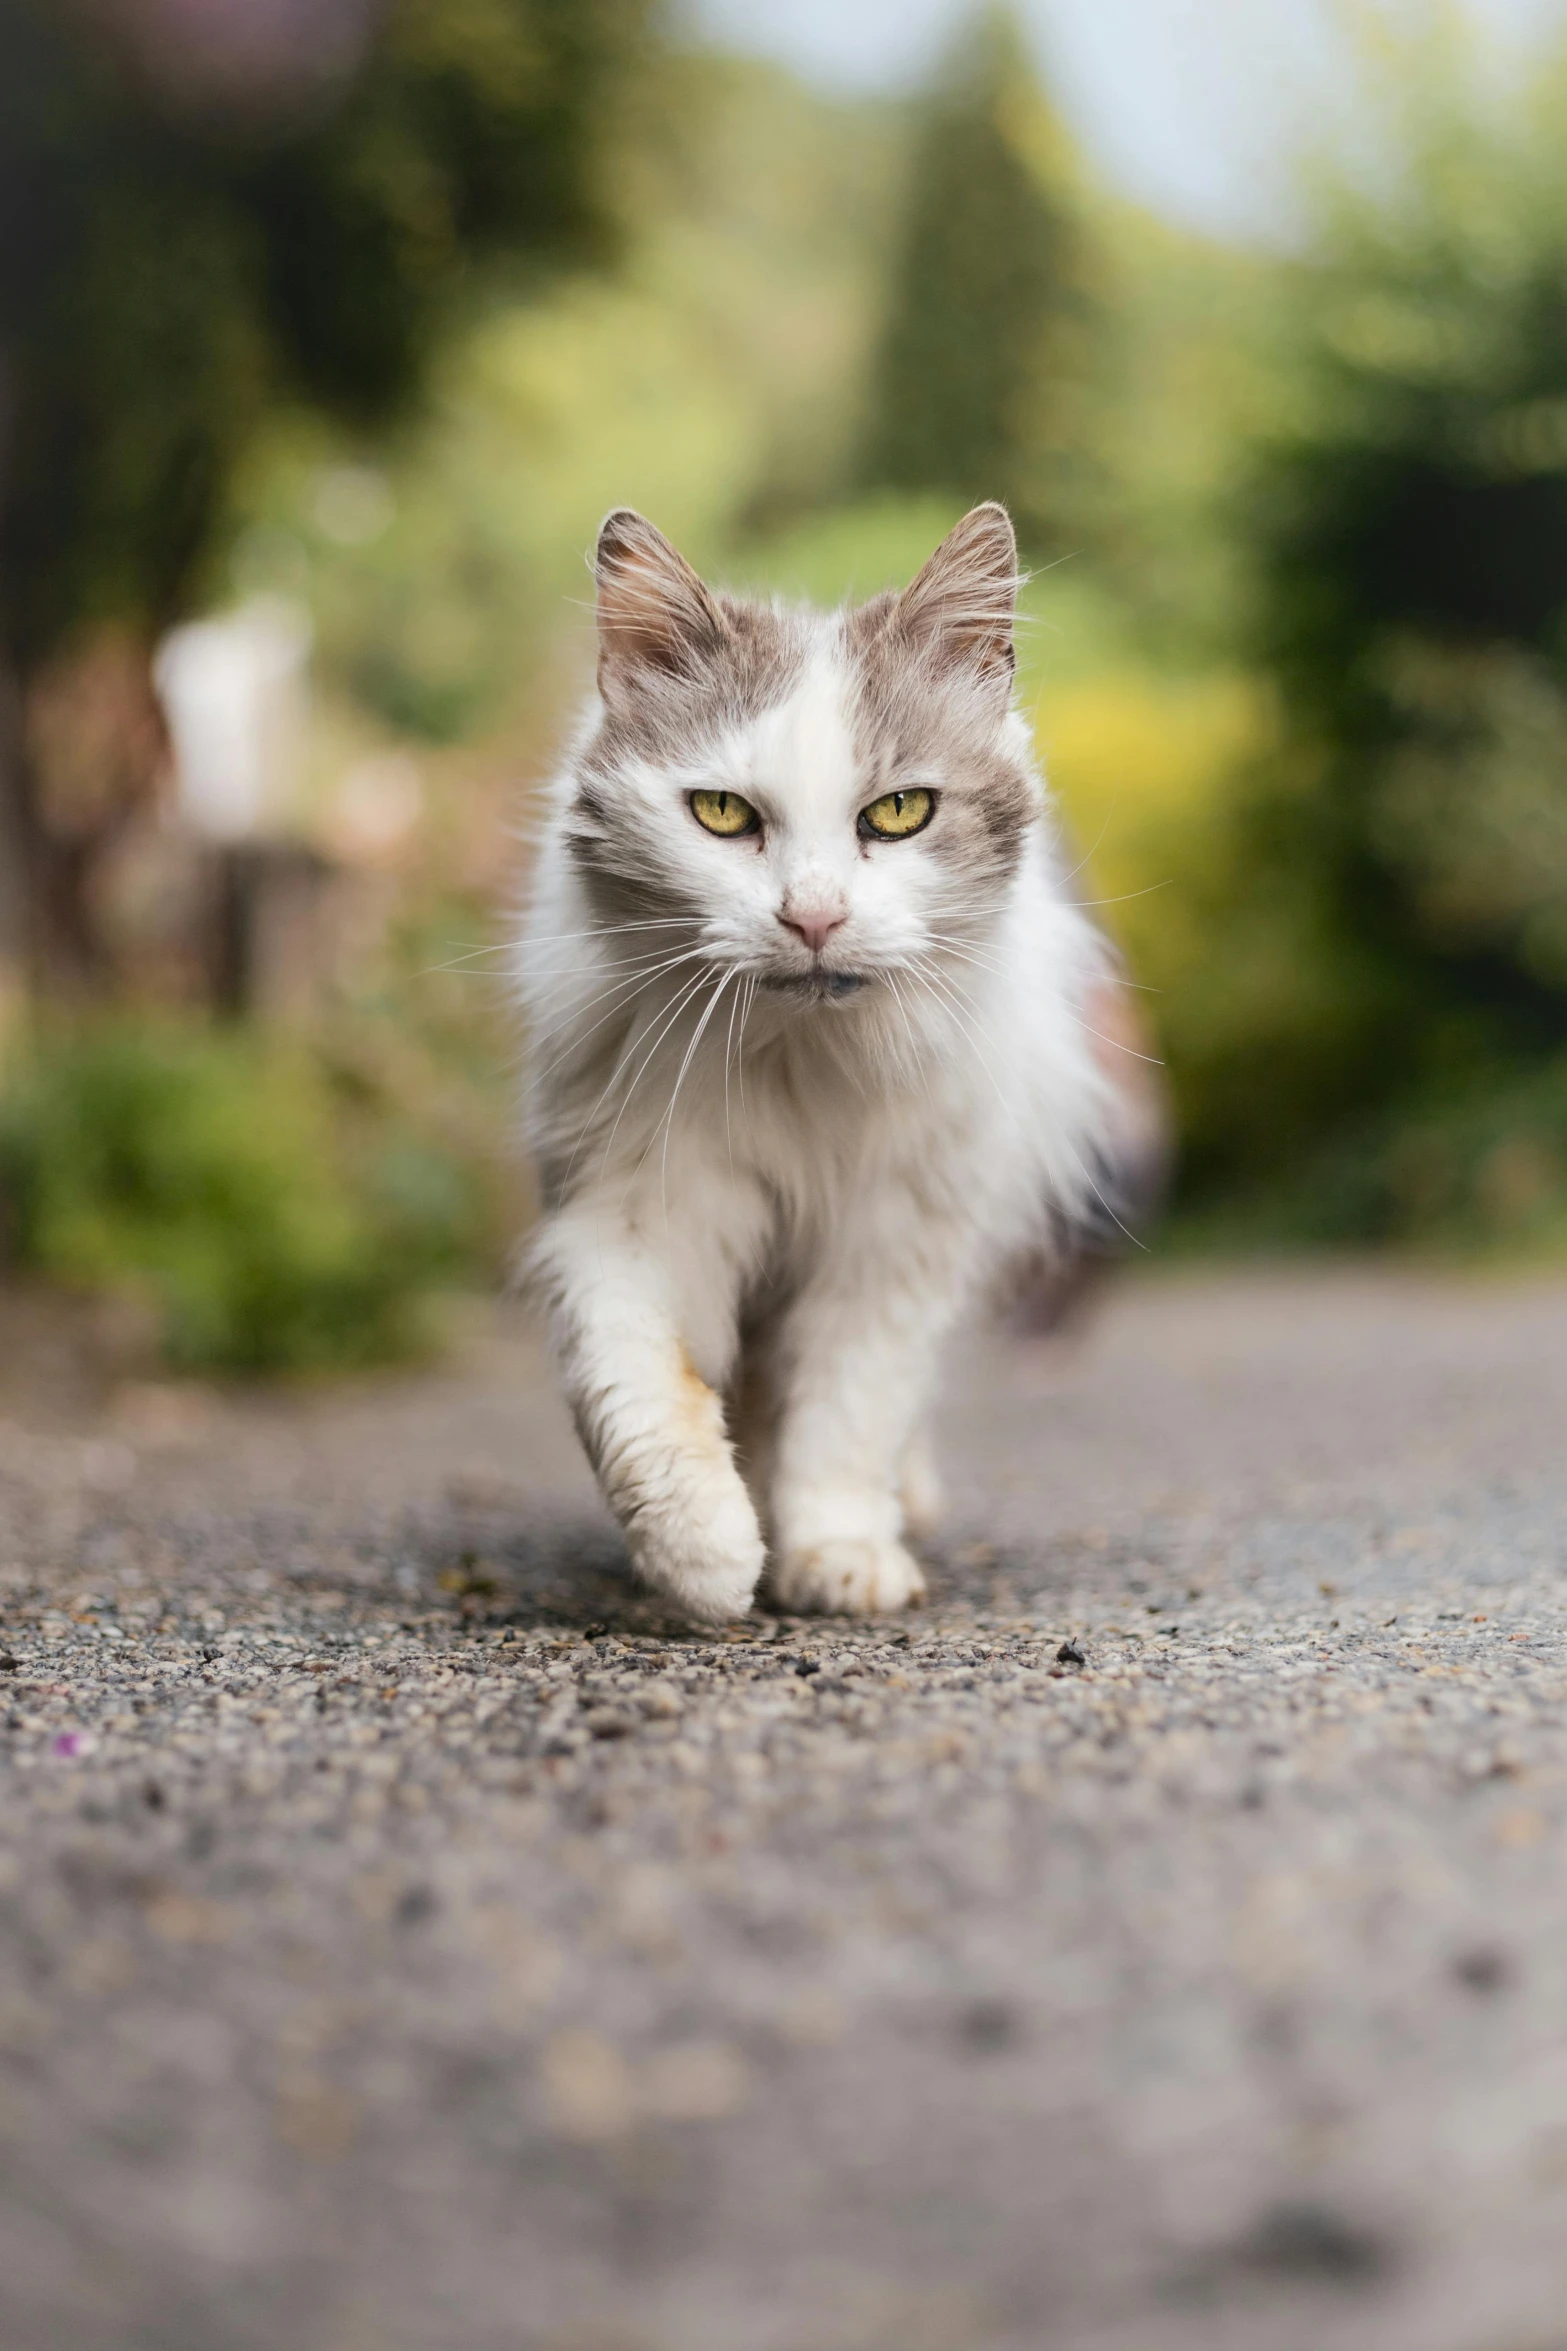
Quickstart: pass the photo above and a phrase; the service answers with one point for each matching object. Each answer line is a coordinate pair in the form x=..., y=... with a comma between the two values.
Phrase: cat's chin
x=818, y=987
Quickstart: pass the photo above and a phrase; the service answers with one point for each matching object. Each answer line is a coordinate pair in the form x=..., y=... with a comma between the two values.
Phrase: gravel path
x=409, y=1942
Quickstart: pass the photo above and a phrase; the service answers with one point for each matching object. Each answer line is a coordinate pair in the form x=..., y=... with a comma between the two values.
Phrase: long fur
x=775, y=1175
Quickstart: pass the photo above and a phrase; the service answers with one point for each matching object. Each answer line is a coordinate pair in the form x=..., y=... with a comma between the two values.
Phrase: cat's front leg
x=856, y=1363
x=644, y=1346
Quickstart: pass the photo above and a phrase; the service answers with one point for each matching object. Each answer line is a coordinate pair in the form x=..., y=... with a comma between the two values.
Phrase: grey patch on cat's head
x=961, y=607
x=678, y=660
x=933, y=675
x=654, y=614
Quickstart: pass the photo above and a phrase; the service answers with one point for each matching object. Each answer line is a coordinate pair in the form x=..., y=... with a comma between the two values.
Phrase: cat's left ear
x=654, y=614
x=962, y=606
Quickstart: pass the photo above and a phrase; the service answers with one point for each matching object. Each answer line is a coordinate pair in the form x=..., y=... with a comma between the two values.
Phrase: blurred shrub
x=1407, y=527
x=1478, y=1173
x=176, y=256
x=712, y=379
x=1186, y=796
x=275, y=1218
x=1160, y=775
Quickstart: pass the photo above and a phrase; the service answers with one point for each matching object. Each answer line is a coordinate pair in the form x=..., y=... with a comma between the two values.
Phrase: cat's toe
x=849, y=1575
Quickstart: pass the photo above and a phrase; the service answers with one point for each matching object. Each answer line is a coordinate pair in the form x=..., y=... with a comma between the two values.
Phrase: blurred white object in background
x=236, y=694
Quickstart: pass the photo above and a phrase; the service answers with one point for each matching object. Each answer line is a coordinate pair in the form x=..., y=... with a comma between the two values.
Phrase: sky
x=1199, y=108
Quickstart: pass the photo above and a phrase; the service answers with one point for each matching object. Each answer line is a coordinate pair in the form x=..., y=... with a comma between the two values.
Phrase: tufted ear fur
x=962, y=606
x=654, y=614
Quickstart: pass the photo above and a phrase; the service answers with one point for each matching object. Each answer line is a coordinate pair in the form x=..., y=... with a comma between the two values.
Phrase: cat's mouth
x=818, y=987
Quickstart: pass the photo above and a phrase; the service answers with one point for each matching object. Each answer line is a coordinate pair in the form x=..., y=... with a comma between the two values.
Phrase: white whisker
x=621, y=1064
x=915, y=1055
x=934, y=981
x=681, y=1001
x=1127, y=896
x=729, y=1141
x=612, y=930
x=668, y=1120
x=1088, y=858
x=623, y=994
x=1152, y=1059
x=750, y=999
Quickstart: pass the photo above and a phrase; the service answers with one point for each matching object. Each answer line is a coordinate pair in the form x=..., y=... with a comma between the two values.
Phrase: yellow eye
x=724, y=812
x=898, y=814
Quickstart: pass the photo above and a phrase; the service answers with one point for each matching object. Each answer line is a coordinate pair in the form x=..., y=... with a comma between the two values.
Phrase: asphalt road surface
x=409, y=1941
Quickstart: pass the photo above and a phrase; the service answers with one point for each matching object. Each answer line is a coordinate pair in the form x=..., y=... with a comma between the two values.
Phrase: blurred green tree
x=976, y=384
x=1408, y=533
x=208, y=206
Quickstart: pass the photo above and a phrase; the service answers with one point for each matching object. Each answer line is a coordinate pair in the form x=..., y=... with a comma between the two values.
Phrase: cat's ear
x=962, y=606
x=654, y=614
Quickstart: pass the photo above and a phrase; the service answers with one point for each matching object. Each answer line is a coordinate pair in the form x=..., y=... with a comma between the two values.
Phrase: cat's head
x=826, y=796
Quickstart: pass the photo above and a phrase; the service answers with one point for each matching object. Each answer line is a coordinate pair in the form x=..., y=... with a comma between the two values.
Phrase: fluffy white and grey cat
x=812, y=1021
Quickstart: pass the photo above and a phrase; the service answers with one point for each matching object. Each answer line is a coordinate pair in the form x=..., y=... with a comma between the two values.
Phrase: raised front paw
x=709, y=1563
x=848, y=1575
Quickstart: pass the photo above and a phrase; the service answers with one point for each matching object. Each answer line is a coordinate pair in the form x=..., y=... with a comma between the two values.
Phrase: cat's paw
x=709, y=1570
x=848, y=1575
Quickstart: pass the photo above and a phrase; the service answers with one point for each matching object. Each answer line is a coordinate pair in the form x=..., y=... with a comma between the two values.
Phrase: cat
x=810, y=1004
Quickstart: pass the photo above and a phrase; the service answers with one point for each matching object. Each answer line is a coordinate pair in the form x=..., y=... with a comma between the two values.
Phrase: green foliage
x=1408, y=530
x=174, y=261
x=985, y=340
x=1477, y=1171
x=712, y=379
x=273, y=1222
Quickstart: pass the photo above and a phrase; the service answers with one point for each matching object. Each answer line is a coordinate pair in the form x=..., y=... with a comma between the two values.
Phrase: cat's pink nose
x=815, y=928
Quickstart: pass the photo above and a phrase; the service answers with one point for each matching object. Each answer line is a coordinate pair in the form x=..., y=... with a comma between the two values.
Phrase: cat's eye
x=725, y=813
x=898, y=814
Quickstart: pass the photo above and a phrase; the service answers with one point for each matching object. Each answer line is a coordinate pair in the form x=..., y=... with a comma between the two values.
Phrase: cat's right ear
x=655, y=617
x=962, y=605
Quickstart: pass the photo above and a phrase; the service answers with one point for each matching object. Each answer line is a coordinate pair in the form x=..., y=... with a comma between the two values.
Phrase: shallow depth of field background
x=327, y=334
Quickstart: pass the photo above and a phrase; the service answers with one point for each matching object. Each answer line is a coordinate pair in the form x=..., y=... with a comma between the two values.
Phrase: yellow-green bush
x=272, y=1223
x=1164, y=780
x=1180, y=793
